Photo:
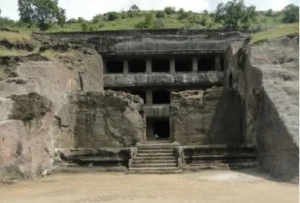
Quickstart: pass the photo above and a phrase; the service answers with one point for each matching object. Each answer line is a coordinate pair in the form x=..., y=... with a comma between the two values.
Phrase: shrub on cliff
x=160, y=14
x=111, y=16
x=234, y=14
x=42, y=13
x=291, y=14
x=170, y=10
x=148, y=22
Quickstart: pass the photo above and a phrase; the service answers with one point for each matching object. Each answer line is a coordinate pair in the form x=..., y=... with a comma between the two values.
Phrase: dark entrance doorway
x=161, y=127
x=158, y=126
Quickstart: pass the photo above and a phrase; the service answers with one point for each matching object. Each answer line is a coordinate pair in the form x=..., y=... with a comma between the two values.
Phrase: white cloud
x=89, y=8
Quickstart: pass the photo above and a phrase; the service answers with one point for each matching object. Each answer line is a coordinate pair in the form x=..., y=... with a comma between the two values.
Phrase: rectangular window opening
x=137, y=66
x=183, y=65
x=206, y=64
x=114, y=66
x=161, y=97
x=161, y=65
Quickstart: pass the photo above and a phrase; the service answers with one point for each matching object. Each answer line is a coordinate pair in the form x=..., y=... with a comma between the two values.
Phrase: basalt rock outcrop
x=36, y=113
x=211, y=116
x=108, y=119
x=268, y=83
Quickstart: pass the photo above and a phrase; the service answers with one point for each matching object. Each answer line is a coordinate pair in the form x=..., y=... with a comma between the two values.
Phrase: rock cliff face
x=212, y=116
x=36, y=114
x=109, y=119
x=268, y=83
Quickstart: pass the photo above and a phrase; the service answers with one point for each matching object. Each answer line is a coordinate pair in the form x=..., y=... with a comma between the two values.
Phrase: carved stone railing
x=163, y=79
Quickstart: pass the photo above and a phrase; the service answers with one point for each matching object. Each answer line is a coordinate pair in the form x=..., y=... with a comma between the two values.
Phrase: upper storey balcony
x=204, y=71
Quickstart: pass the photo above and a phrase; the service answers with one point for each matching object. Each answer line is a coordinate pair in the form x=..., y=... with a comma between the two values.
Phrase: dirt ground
x=206, y=187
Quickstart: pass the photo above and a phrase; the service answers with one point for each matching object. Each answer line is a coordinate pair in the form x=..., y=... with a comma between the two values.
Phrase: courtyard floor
x=206, y=187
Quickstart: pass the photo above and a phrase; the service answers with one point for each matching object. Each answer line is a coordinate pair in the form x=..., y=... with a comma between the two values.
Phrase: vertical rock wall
x=268, y=83
x=212, y=116
x=36, y=113
x=109, y=119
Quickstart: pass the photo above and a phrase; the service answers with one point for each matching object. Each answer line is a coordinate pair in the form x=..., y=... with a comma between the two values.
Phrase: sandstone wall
x=213, y=116
x=268, y=83
x=109, y=119
x=35, y=111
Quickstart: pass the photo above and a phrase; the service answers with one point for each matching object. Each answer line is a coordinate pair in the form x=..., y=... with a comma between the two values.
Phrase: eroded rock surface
x=270, y=88
x=109, y=119
x=36, y=114
x=212, y=116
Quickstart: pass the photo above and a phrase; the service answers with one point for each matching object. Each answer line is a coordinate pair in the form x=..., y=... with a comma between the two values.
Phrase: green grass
x=170, y=21
x=54, y=54
x=15, y=37
x=275, y=33
x=12, y=52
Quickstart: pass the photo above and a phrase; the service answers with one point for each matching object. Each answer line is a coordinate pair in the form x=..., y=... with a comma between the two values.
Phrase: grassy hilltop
x=268, y=25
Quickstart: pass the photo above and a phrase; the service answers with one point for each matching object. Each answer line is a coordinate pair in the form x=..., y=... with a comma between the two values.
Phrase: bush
x=235, y=13
x=269, y=12
x=160, y=14
x=111, y=16
x=210, y=25
x=123, y=15
x=159, y=23
x=291, y=14
x=84, y=27
x=71, y=21
x=6, y=22
x=170, y=10
x=97, y=18
x=148, y=22
x=183, y=15
x=203, y=21
x=134, y=11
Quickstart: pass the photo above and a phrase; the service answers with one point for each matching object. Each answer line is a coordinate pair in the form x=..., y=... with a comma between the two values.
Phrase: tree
x=111, y=16
x=134, y=11
x=97, y=18
x=170, y=10
x=182, y=14
x=291, y=14
x=234, y=14
x=269, y=12
x=160, y=14
x=41, y=12
x=61, y=18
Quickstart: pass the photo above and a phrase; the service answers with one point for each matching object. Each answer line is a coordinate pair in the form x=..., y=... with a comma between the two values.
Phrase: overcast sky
x=89, y=8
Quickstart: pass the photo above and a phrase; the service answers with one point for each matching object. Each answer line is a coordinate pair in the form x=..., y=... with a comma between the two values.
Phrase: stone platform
x=156, y=157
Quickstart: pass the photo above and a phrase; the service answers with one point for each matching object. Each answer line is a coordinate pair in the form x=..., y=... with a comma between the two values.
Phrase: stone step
x=156, y=158
x=154, y=161
x=206, y=166
x=227, y=161
x=163, y=150
x=155, y=165
x=156, y=141
x=222, y=156
x=169, y=170
x=222, y=149
x=155, y=147
x=161, y=154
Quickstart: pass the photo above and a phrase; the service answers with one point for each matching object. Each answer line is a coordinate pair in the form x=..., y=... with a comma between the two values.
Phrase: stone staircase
x=155, y=157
